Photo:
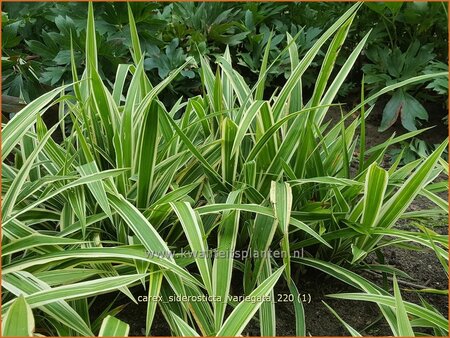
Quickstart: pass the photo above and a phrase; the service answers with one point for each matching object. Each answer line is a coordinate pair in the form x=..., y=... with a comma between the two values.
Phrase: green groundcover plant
x=116, y=193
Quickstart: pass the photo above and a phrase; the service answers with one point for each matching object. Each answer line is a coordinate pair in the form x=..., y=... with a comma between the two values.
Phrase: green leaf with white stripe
x=154, y=288
x=375, y=186
x=91, y=43
x=403, y=323
x=97, y=188
x=229, y=160
x=146, y=155
x=16, y=187
x=432, y=318
x=136, y=52
x=35, y=240
x=83, y=180
x=350, y=329
x=141, y=227
x=245, y=310
x=19, y=319
x=281, y=198
x=16, y=128
x=245, y=123
x=185, y=329
x=23, y=283
x=88, y=288
x=354, y=280
x=126, y=255
x=376, y=182
x=223, y=264
x=300, y=322
x=193, y=229
x=113, y=327
x=307, y=60
x=267, y=315
x=400, y=201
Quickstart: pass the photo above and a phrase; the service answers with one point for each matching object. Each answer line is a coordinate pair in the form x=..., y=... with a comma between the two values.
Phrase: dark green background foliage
x=407, y=39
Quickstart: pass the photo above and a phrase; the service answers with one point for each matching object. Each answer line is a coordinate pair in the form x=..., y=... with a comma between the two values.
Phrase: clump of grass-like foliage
x=112, y=202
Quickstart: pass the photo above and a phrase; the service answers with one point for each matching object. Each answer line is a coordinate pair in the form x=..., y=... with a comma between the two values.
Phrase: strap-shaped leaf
x=185, y=329
x=223, y=263
x=195, y=234
x=119, y=254
x=281, y=198
x=375, y=186
x=403, y=323
x=19, y=319
x=88, y=288
x=113, y=327
x=24, y=283
x=16, y=128
x=154, y=287
x=81, y=181
x=399, y=202
x=350, y=329
x=428, y=315
x=244, y=312
x=146, y=155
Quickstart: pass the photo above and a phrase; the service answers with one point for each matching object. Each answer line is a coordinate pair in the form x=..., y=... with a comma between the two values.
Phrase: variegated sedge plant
x=128, y=186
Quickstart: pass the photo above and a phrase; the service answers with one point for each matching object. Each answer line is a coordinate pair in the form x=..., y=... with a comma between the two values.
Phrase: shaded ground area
x=434, y=135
